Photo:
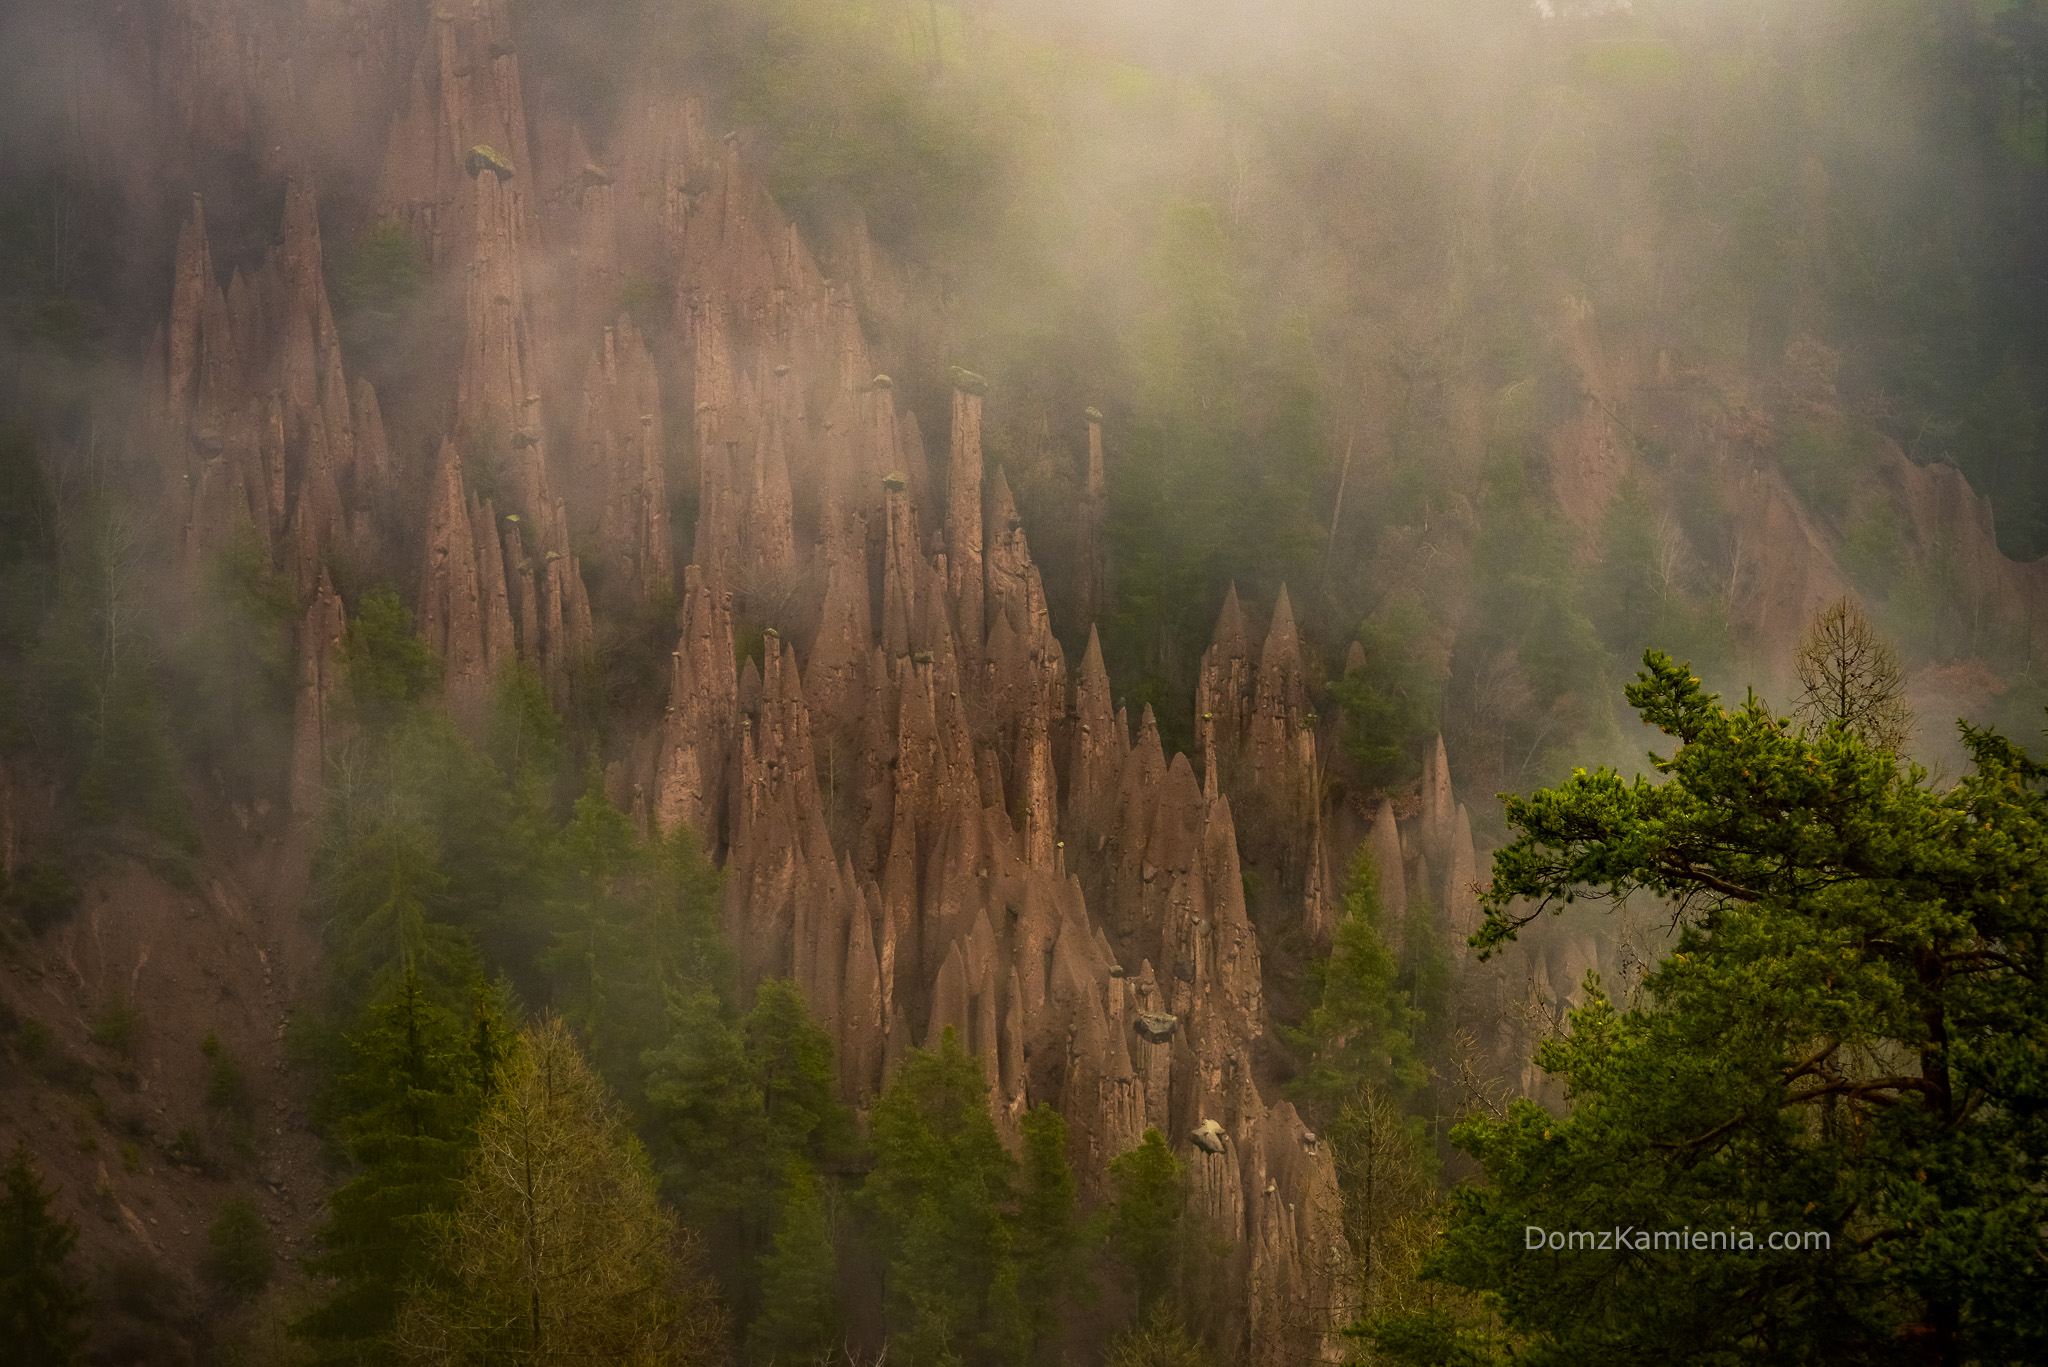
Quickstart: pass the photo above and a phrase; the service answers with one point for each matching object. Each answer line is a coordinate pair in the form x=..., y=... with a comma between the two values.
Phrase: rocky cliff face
x=656, y=397
x=926, y=819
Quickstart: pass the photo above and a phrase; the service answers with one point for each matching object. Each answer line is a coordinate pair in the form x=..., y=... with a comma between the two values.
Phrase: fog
x=425, y=427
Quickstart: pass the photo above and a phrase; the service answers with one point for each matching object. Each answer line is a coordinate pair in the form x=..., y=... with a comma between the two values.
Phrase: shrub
x=389, y=666
x=42, y=894
x=186, y=1151
x=119, y=1028
x=227, y=1086
x=240, y=1258
x=45, y=1053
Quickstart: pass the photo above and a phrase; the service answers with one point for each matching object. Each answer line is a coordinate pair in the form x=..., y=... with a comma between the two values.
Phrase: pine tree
x=1144, y=1222
x=606, y=958
x=791, y=1060
x=559, y=1251
x=240, y=1257
x=413, y=1099
x=734, y=1104
x=1362, y=1031
x=1844, y=1045
x=941, y=1192
x=1047, y=1237
x=40, y=1307
x=799, y=1320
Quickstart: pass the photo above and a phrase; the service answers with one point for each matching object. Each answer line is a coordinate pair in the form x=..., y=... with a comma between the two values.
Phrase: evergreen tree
x=239, y=1254
x=1393, y=701
x=412, y=1100
x=40, y=1308
x=1362, y=1030
x=1046, y=1235
x=1144, y=1222
x=799, y=1320
x=1845, y=1046
x=941, y=1192
x=559, y=1251
x=790, y=1057
x=734, y=1103
x=606, y=960
x=378, y=882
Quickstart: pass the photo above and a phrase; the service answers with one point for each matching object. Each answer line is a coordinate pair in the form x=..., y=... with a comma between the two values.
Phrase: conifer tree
x=413, y=1100
x=1160, y=1339
x=1046, y=1235
x=606, y=960
x=559, y=1251
x=1144, y=1222
x=1361, y=1032
x=734, y=1104
x=1844, y=1049
x=942, y=1192
x=799, y=1320
x=40, y=1307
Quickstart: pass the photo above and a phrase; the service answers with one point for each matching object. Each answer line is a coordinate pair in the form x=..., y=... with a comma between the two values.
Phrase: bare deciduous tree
x=1388, y=1212
x=1848, y=674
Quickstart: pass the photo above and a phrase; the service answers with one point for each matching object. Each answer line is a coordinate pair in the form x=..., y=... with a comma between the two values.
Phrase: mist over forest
x=1016, y=682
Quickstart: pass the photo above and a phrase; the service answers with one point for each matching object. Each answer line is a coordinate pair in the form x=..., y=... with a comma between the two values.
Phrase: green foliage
x=1393, y=704
x=1144, y=1221
x=2002, y=433
x=1846, y=1040
x=1627, y=592
x=28, y=537
x=118, y=1028
x=94, y=684
x=733, y=1104
x=383, y=306
x=525, y=730
x=607, y=962
x=409, y=1105
x=43, y=1052
x=41, y=893
x=377, y=886
x=635, y=927
x=384, y=273
x=1361, y=1033
x=239, y=1252
x=850, y=119
x=800, y=1320
x=1158, y=1340
x=389, y=666
x=234, y=673
x=41, y=1309
x=1520, y=696
x=1821, y=459
x=1874, y=547
x=227, y=1085
x=559, y=1247
x=1046, y=1236
x=940, y=1196
x=434, y=854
